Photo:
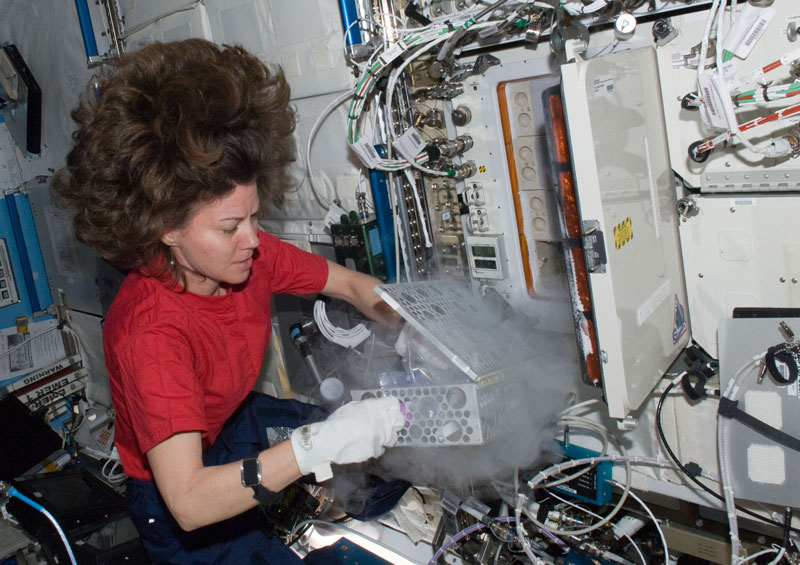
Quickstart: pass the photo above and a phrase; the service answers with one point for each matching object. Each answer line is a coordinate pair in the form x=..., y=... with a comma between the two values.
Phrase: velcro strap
x=729, y=409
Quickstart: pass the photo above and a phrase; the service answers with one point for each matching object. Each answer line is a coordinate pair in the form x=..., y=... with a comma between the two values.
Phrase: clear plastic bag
x=424, y=364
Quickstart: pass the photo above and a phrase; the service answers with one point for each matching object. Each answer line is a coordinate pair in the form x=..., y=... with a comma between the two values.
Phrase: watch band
x=265, y=496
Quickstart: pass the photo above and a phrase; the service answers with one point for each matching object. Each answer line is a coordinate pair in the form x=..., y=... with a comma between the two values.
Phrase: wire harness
x=350, y=338
x=718, y=95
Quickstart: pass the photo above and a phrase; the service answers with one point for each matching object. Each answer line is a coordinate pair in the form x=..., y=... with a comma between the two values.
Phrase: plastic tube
x=349, y=13
x=633, y=459
x=85, y=20
x=16, y=494
x=727, y=487
x=317, y=123
x=726, y=479
x=464, y=533
x=523, y=538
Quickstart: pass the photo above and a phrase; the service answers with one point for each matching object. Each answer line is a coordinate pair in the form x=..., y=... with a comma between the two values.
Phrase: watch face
x=251, y=472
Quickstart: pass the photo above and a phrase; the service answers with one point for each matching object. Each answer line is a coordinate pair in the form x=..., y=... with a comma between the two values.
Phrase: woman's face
x=216, y=246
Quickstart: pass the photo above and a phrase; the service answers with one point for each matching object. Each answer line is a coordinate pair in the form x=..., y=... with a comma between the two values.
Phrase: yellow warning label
x=482, y=168
x=623, y=232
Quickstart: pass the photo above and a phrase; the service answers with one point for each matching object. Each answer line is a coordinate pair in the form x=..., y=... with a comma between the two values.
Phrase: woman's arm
x=197, y=495
x=359, y=290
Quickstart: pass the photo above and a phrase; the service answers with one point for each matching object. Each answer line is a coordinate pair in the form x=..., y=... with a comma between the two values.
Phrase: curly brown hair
x=168, y=128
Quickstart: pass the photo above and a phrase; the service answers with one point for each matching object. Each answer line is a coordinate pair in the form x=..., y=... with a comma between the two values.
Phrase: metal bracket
x=628, y=424
x=594, y=247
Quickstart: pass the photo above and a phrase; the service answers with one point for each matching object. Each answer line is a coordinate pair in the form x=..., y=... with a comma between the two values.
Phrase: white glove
x=355, y=432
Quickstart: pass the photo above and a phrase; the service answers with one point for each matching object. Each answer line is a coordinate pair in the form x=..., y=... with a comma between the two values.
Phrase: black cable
x=787, y=528
x=291, y=541
x=693, y=478
x=73, y=425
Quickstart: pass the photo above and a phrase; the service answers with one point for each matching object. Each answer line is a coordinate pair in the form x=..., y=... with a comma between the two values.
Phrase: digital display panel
x=484, y=251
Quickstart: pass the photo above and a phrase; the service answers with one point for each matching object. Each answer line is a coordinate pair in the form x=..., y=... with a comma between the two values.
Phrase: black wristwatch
x=251, y=477
x=251, y=472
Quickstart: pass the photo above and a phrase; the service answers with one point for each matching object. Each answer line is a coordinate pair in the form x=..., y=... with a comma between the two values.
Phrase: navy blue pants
x=245, y=539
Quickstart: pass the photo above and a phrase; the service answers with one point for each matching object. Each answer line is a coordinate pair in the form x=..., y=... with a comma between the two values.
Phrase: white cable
x=471, y=11
x=580, y=9
x=365, y=188
x=623, y=497
x=585, y=424
x=522, y=537
x=350, y=338
x=732, y=17
x=723, y=425
x=778, y=557
x=653, y=518
x=329, y=185
x=712, y=11
x=614, y=511
x=328, y=109
x=77, y=339
x=727, y=488
x=401, y=29
x=612, y=524
x=398, y=28
x=362, y=68
x=573, y=407
x=701, y=57
x=769, y=148
x=633, y=459
x=112, y=475
x=774, y=549
x=718, y=49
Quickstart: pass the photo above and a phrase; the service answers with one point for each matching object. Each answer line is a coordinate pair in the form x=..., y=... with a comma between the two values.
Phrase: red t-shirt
x=182, y=362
